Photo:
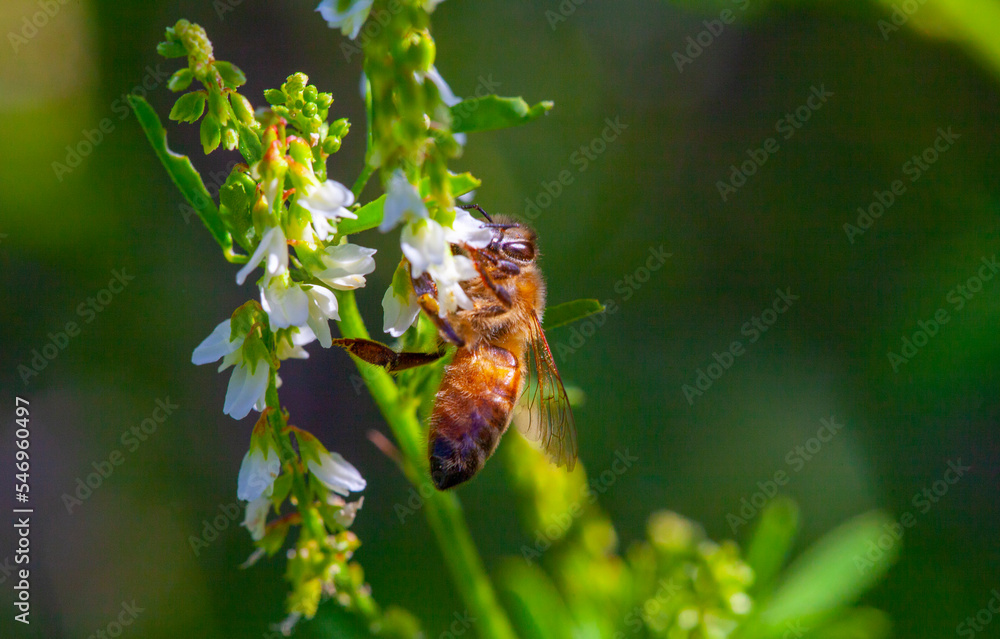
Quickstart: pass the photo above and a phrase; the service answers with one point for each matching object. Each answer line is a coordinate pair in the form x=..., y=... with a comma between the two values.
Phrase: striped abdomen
x=472, y=410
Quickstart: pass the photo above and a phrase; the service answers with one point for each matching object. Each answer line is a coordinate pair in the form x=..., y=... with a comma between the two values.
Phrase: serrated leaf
x=772, y=540
x=250, y=147
x=569, y=312
x=211, y=134
x=171, y=49
x=189, y=107
x=370, y=215
x=834, y=571
x=181, y=171
x=493, y=112
x=231, y=74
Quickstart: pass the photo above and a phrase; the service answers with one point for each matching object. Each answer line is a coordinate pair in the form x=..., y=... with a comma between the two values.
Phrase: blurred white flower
x=273, y=251
x=255, y=519
x=299, y=337
x=350, y=19
x=336, y=473
x=402, y=202
x=399, y=313
x=260, y=467
x=346, y=265
x=423, y=243
x=447, y=96
x=468, y=230
x=327, y=204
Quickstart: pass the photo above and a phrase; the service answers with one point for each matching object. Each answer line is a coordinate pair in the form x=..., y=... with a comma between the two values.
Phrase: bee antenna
x=478, y=208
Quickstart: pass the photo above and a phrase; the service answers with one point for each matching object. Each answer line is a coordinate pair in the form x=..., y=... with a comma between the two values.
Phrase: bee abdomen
x=472, y=412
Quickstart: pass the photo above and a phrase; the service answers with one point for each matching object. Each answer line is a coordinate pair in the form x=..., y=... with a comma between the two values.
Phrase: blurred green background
x=63, y=233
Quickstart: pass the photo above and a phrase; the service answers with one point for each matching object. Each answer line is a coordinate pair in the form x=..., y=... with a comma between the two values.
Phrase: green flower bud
x=324, y=100
x=180, y=80
x=331, y=145
x=310, y=109
x=230, y=139
x=211, y=133
x=310, y=93
x=242, y=108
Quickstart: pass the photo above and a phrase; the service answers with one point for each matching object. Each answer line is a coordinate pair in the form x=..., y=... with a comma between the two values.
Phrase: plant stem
x=444, y=512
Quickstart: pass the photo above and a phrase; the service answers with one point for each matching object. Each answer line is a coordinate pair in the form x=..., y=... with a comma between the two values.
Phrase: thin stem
x=443, y=509
x=362, y=180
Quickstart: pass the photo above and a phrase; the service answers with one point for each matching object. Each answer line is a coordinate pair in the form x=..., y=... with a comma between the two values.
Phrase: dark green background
x=654, y=185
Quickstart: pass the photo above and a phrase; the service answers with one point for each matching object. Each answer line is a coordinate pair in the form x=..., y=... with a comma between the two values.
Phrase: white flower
x=350, y=20
x=399, y=313
x=255, y=519
x=423, y=243
x=245, y=388
x=257, y=473
x=336, y=473
x=326, y=204
x=447, y=96
x=402, y=202
x=322, y=308
x=348, y=512
x=447, y=276
x=429, y=5
x=468, y=230
x=346, y=265
x=274, y=247
x=299, y=336
x=285, y=303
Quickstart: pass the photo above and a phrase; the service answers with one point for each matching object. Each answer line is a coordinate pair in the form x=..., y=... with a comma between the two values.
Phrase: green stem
x=443, y=509
x=362, y=180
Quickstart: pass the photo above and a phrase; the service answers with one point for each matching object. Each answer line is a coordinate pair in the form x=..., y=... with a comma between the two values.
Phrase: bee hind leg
x=379, y=354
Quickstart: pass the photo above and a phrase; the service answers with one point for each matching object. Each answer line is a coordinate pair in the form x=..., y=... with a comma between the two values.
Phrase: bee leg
x=508, y=267
x=379, y=354
x=426, y=292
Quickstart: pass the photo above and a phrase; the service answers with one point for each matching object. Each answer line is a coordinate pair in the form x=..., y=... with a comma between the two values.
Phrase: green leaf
x=180, y=80
x=274, y=97
x=231, y=74
x=493, y=112
x=189, y=107
x=181, y=172
x=171, y=49
x=835, y=571
x=772, y=540
x=211, y=134
x=250, y=147
x=370, y=215
x=569, y=312
x=537, y=611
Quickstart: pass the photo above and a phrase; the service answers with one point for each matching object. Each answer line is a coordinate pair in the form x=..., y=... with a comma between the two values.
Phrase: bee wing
x=550, y=419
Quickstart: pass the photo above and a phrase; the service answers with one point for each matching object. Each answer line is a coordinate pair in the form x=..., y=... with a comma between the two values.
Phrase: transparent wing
x=550, y=419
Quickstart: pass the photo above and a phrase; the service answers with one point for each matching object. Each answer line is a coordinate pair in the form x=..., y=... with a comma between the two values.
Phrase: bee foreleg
x=379, y=354
x=502, y=293
x=430, y=306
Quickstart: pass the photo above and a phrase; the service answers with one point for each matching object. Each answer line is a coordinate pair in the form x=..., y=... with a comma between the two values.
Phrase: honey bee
x=500, y=344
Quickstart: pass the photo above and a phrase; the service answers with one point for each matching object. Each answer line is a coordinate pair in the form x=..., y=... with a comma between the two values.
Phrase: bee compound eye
x=520, y=250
